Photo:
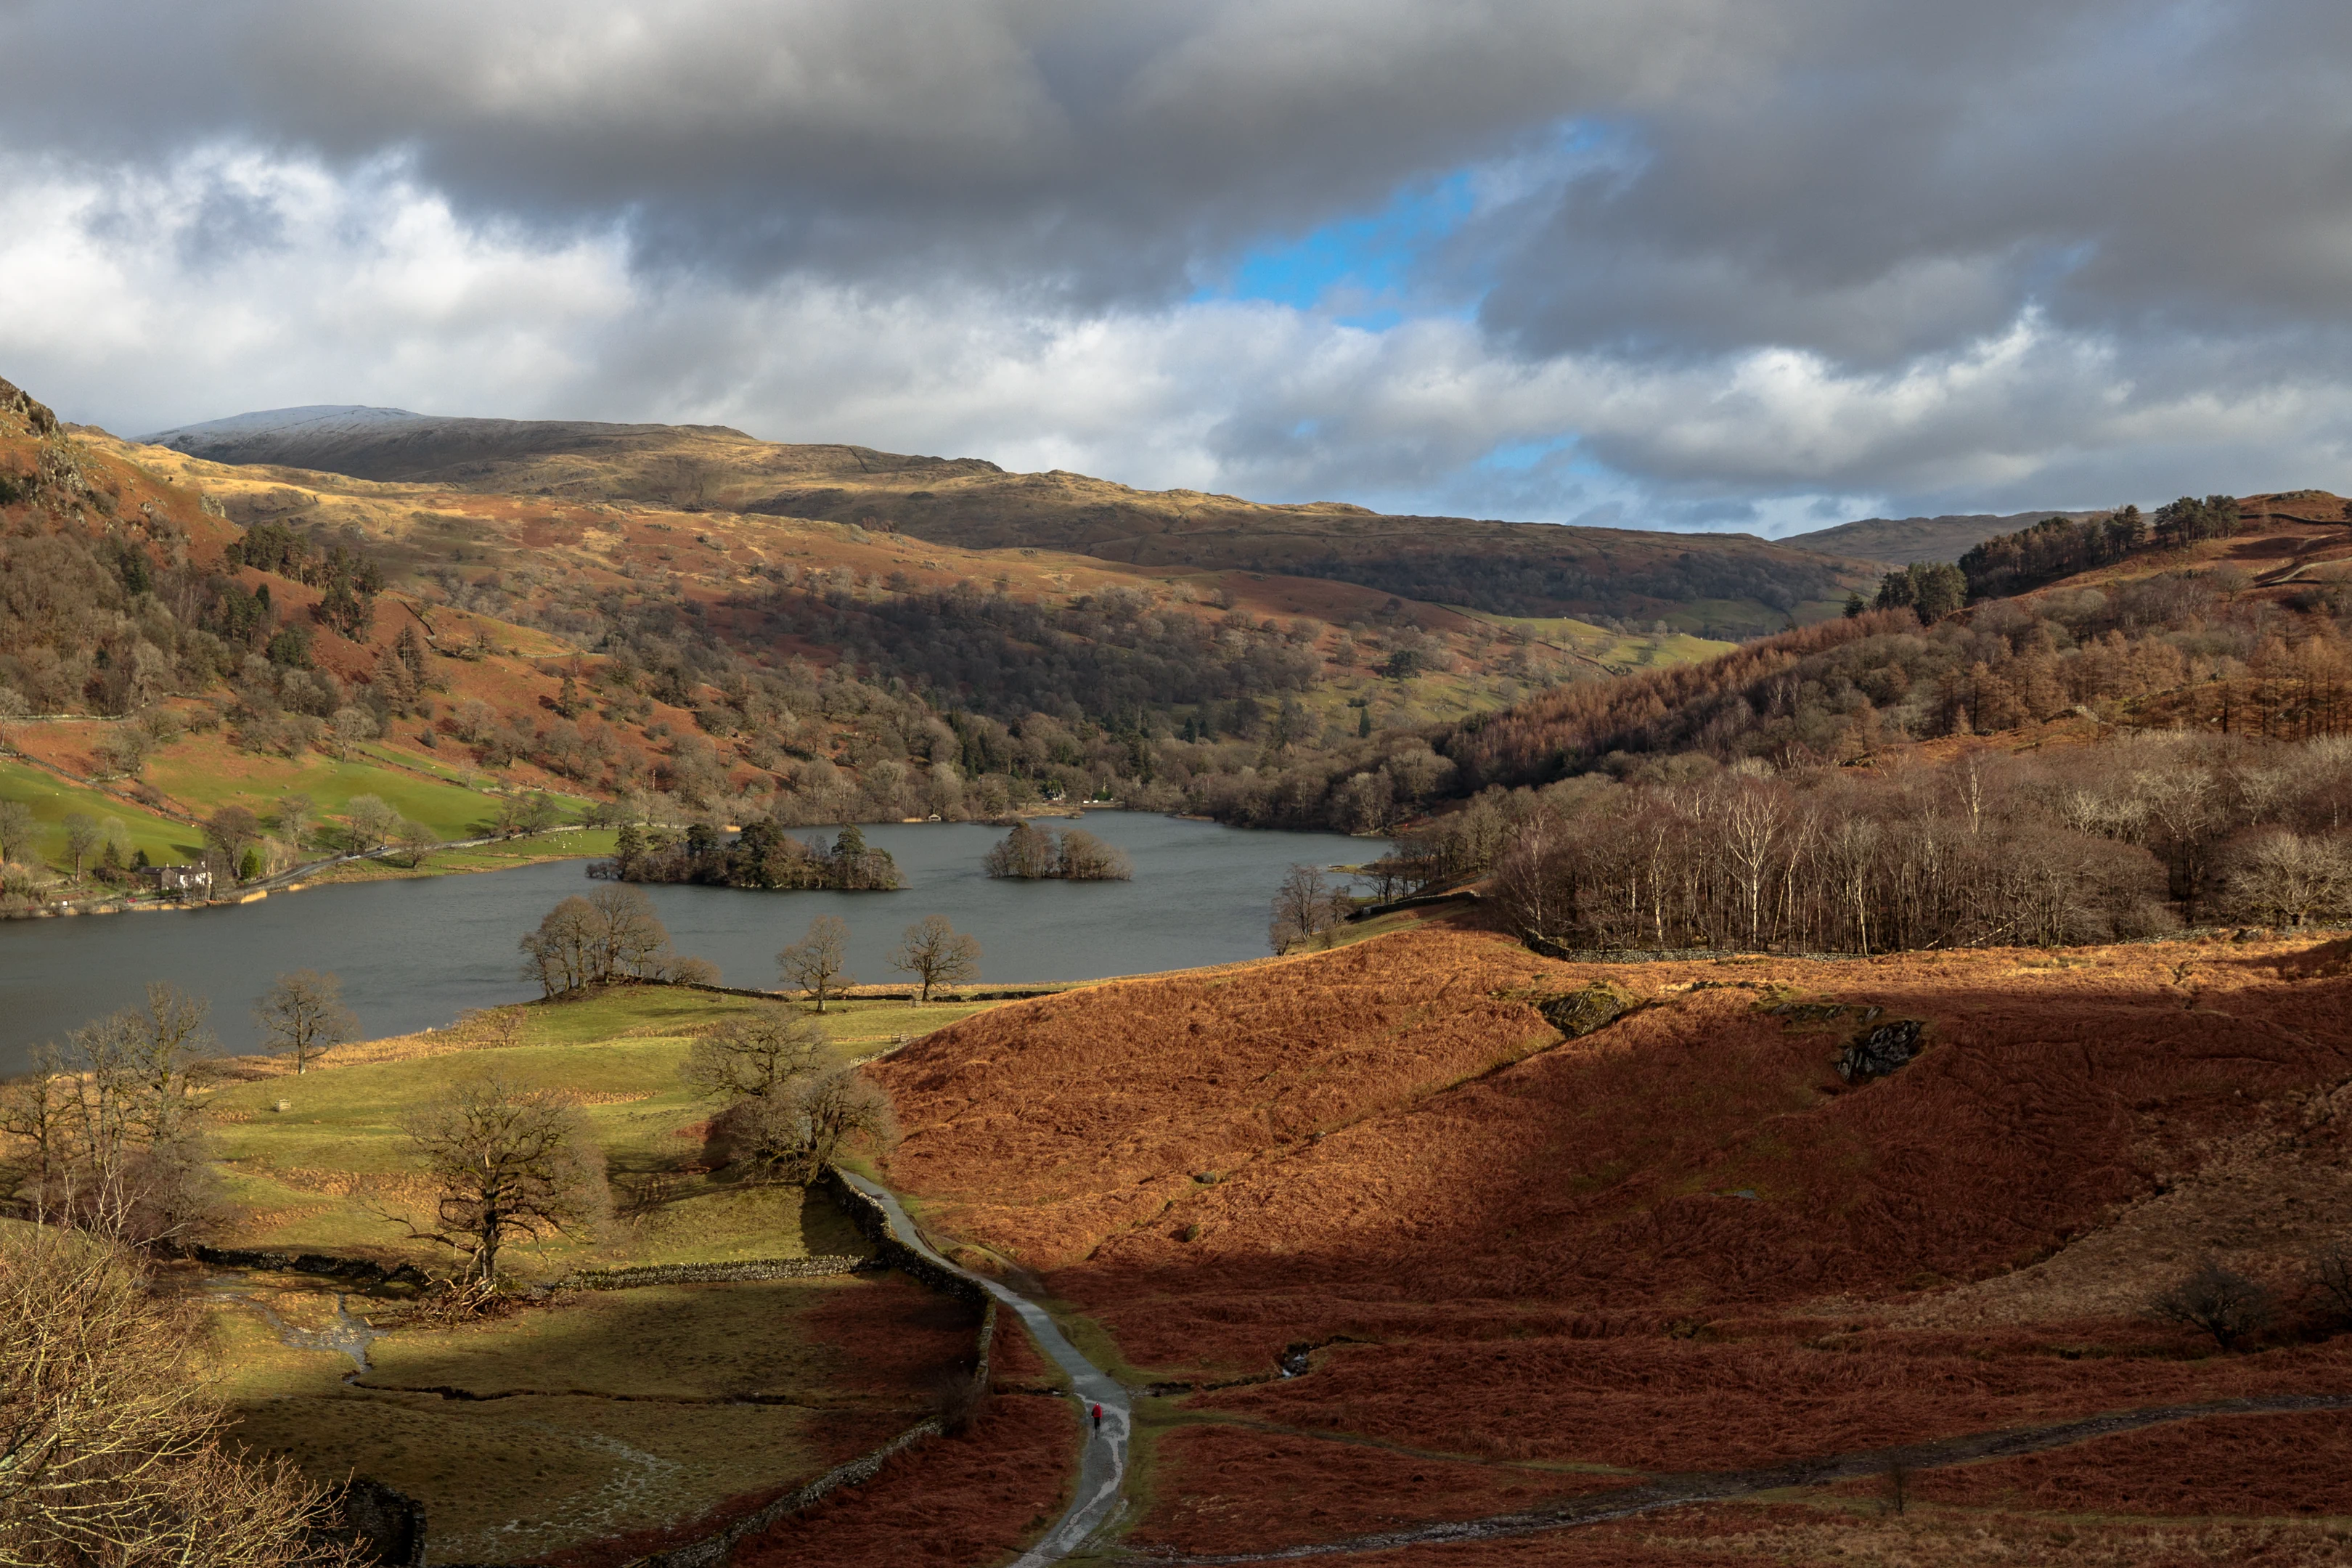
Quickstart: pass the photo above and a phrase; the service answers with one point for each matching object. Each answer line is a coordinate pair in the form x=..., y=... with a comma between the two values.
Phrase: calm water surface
x=412, y=953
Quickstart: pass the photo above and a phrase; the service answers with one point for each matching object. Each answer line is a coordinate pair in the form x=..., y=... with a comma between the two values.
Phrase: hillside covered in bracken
x=1370, y=1213
x=2157, y=739
x=2144, y=740
x=2242, y=633
x=180, y=634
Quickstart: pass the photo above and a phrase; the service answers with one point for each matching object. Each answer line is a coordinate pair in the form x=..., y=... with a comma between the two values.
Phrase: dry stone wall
x=713, y=1550
x=716, y=1273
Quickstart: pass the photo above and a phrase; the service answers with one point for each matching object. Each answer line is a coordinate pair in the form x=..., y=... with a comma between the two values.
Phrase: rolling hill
x=1719, y=586
x=1900, y=542
x=183, y=636
x=1368, y=1214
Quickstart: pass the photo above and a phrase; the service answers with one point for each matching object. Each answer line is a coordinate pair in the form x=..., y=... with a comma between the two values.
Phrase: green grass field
x=503, y=855
x=51, y=799
x=602, y=1412
x=205, y=773
x=315, y=1174
x=1625, y=650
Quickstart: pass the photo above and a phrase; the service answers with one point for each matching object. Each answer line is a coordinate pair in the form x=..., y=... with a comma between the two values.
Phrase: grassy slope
x=621, y=1416
x=205, y=774
x=1616, y=651
x=52, y=799
x=602, y=1415
x=306, y=1176
x=1902, y=540
x=201, y=774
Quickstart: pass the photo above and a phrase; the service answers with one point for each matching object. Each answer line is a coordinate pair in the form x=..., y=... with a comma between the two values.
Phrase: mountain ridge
x=1710, y=584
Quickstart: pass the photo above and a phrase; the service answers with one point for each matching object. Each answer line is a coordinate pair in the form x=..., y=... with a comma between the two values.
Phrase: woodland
x=1830, y=786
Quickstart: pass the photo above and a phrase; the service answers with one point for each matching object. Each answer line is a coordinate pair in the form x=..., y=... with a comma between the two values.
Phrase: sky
x=1697, y=264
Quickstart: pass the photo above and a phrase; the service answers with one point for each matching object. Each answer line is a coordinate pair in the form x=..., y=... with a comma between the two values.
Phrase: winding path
x=1680, y=1492
x=1102, y=1466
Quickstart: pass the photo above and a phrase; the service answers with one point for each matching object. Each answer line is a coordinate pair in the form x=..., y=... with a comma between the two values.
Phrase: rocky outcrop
x=1880, y=1049
x=19, y=403
x=1578, y=1013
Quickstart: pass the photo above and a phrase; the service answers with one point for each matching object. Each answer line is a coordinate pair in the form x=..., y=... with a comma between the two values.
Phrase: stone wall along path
x=1102, y=1466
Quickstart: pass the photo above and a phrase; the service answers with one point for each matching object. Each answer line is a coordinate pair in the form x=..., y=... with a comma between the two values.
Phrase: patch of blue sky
x=1359, y=270
x=1375, y=269
x=1525, y=457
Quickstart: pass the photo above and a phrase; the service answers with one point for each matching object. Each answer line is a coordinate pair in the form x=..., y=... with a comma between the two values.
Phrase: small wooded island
x=1033, y=853
x=761, y=856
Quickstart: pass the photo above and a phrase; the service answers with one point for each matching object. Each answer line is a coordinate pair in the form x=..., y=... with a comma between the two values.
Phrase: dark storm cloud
x=1106, y=145
x=2024, y=253
x=1927, y=170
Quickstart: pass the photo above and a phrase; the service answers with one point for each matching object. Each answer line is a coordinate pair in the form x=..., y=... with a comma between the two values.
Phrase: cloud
x=1702, y=262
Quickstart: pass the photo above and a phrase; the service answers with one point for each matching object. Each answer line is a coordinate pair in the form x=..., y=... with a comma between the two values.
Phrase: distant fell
x=579, y=458
x=1716, y=586
x=1903, y=540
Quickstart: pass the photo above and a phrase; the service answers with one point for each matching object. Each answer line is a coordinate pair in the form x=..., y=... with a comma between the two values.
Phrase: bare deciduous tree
x=936, y=953
x=82, y=838
x=2286, y=878
x=1026, y=854
x=231, y=828
x=110, y=1452
x=2220, y=1301
x=414, y=842
x=1895, y=1490
x=757, y=1054
x=104, y=1134
x=296, y=815
x=1086, y=858
x=610, y=936
x=17, y=828
x=304, y=1013
x=840, y=1107
x=1306, y=908
x=348, y=730
x=512, y=1163
x=788, y=1103
x=370, y=822
x=2331, y=1276
x=817, y=963
x=1534, y=887
x=13, y=707
x=560, y=953
x=794, y=1132
x=1032, y=853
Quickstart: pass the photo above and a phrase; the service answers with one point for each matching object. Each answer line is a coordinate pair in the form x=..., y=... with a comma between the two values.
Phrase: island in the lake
x=761, y=856
x=1030, y=853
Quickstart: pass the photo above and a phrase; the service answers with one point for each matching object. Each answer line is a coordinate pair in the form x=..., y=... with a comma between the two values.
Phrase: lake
x=419, y=953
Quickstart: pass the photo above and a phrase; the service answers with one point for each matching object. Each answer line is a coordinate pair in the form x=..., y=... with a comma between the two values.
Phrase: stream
x=348, y=1336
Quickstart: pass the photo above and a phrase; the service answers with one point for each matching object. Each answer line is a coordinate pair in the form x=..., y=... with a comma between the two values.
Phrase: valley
x=1766, y=1055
